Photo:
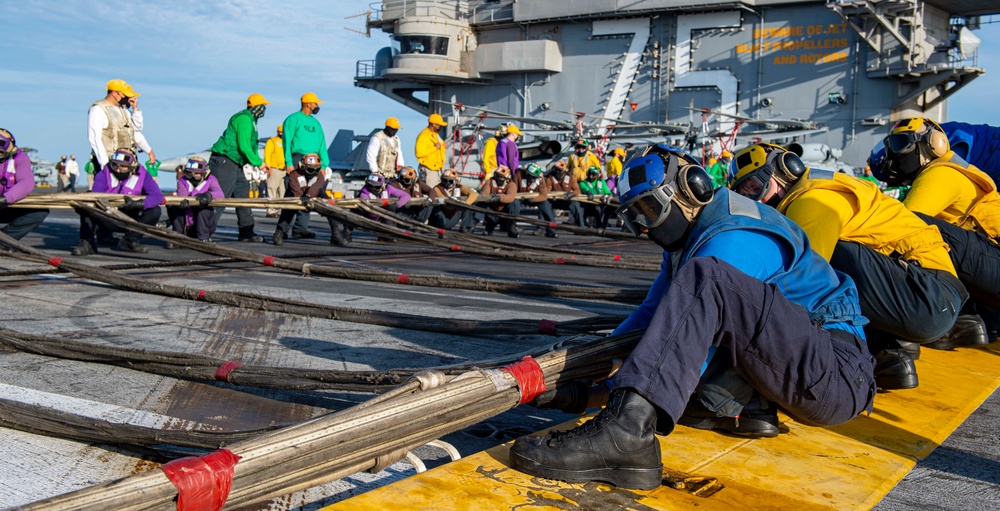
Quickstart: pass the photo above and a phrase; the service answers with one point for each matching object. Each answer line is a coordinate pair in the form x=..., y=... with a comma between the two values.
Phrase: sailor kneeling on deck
x=125, y=175
x=16, y=182
x=195, y=220
x=738, y=279
x=307, y=182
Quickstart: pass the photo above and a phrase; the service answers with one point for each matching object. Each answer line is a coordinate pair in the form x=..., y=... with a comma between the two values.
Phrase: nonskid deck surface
x=964, y=471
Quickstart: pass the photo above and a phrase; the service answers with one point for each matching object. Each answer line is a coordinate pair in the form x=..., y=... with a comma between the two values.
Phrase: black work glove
x=306, y=201
x=3, y=202
x=494, y=198
x=131, y=205
x=570, y=398
x=204, y=199
x=185, y=203
x=392, y=208
x=570, y=195
x=590, y=196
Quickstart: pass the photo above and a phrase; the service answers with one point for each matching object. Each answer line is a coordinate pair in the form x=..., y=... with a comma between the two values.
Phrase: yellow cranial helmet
x=753, y=167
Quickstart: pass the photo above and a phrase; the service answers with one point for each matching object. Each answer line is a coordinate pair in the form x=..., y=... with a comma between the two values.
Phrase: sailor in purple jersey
x=16, y=182
x=195, y=217
x=124, y=175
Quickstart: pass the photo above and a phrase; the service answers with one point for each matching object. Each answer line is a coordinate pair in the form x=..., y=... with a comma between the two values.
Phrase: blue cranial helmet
x=878, y=162
x=649, y=183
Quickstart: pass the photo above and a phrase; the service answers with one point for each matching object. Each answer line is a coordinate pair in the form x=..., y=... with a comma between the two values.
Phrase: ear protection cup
x=697, y=185
x=790, y=164
x=937, y=143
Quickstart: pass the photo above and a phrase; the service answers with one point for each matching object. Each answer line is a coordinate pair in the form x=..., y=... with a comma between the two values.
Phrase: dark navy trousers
x=89, y=225
x=204, y=221
x=21, y=221
x=976, y=259
x=817, y=376
x=234, y=185
x=901, y=299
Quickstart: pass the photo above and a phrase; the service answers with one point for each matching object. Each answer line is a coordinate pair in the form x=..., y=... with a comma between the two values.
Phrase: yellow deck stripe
x=851, y=466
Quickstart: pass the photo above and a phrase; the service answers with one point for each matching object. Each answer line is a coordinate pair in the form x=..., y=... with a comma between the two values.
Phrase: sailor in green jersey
x=303, y=134
x=597, y=189
x=235, y=148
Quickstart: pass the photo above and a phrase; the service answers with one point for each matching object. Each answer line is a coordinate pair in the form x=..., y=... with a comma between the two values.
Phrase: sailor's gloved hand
x=590, y=196
x=3, y=202
x=571, y=397
x=204, y=199
x=392, y=208
x=606, y=199
x=131, y=205
x=570, y=195
x=306, y=201
x=494, y=198
x=185, y=204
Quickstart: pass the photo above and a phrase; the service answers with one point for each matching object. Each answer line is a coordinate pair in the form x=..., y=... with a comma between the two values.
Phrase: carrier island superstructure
x=829, y=75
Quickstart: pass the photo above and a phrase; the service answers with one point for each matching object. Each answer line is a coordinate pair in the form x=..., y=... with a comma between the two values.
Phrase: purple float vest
x=131, y=186
x=194, y=190
x=8, y=177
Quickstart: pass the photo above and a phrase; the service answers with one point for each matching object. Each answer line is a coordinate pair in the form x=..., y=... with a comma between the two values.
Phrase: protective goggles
x=647, y=210
x=755, y=184
x=122, y=159
x=195, y=167
x=902, y=143
x=6, y=143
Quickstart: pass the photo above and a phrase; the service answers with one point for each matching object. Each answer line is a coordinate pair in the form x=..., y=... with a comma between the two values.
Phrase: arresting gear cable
x=360, y=438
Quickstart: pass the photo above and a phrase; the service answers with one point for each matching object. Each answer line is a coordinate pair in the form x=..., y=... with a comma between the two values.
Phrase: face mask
x=121, y=174
x=258, y=111
x=123, y=102
x=774, y=201
x=672, y=233
x=389, y=132
x=316, y=110
x=905, y=166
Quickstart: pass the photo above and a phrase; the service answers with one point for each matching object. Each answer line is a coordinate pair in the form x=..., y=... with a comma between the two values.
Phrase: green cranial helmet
x=534, y=170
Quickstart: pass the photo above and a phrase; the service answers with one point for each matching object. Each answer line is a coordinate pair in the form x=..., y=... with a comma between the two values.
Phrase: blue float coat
x=764, y=244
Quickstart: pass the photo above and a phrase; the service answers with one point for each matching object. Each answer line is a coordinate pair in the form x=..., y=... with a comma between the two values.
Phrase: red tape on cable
x=547, y=327
x=408, y=233
x=530, y=380
x=201, y=294
x=268, y=260
x=222, y=373
x=385, y=203
x=560, y=260
x=552, y=225
x=440, y=232
x=333, y=202
x=456, y=248
x=404, y=278
x=618, y=257
x=203, y=483
x=55, y=261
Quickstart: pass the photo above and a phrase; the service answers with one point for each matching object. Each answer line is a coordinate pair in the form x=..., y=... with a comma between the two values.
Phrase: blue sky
x=195, y=62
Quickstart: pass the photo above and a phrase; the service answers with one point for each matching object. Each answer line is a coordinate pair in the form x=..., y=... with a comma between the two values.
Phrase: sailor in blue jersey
x=738, y=281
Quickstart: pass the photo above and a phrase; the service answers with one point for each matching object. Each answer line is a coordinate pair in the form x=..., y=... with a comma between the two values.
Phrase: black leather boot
x=969, y=330
x=894, y=370
x=912, y=348
x=618, y=446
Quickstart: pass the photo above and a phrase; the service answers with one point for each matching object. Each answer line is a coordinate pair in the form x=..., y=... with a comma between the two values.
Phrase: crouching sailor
x=16, y=182
x=123, y=174
x=727, y=263
x=195, y=217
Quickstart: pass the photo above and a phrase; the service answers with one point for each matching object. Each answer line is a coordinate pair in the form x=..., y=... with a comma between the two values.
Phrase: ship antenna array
x=368, y=18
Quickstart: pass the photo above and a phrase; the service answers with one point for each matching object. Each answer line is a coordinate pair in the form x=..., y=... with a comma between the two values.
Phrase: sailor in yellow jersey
x=490, y=152
x=614, y=168
x=900, y=264
x=582, y=159
x=960, y=200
